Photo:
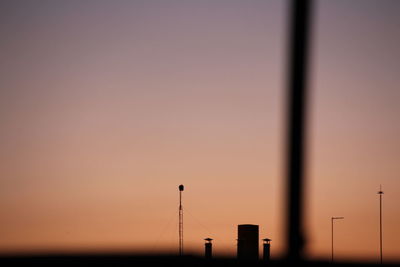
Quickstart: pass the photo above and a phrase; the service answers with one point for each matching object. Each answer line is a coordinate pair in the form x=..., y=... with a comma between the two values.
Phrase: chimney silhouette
x=266, y=249
x=208, y=248
x=247, y=247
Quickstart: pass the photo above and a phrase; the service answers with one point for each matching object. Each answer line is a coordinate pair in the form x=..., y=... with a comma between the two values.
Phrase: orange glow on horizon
x=107, y=107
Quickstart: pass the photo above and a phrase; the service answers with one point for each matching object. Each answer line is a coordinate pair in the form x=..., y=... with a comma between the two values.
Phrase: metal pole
x=332, y=238
x=181, y=188
x=180, y=225
x=380, y=222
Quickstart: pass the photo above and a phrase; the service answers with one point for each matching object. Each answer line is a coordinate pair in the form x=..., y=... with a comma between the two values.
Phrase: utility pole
x=180, y=221
x=380, y=193
x=334, y=218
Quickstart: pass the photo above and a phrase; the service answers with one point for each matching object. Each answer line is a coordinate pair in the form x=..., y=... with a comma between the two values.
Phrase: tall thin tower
x=180, y=221
x=380, y=193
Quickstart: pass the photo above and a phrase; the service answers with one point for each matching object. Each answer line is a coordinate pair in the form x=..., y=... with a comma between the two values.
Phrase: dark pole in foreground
x=180, y=221
x=334, y=218
x=297, y=95
x=380, y=193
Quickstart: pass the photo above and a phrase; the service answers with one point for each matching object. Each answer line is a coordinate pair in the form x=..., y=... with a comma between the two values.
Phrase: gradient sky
x=107, y=106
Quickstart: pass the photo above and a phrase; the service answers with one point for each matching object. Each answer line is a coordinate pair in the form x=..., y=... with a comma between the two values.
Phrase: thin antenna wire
x=211, y=233
x=165, y=229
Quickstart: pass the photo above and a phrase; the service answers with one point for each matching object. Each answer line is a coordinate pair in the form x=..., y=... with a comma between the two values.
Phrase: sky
x=107, y=106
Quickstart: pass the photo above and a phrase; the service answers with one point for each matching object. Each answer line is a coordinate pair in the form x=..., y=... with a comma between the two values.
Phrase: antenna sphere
x=181, y=187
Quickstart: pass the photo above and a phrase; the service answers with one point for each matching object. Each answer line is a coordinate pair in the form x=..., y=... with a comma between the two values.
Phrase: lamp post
x=332, y=219
x=181, y=188
x=380, y=193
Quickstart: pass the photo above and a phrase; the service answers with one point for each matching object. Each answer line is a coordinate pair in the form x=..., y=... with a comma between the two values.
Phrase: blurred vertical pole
x=297, y=96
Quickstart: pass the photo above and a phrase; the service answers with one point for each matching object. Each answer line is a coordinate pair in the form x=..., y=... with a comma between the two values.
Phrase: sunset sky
x=107, y=106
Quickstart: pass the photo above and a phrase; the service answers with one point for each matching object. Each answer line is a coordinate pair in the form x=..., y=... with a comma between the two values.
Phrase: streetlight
x=380, y=193
x=334, y=218
x=181, y=188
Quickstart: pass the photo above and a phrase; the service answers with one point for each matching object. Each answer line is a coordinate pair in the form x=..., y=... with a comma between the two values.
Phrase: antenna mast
x=180, y=221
